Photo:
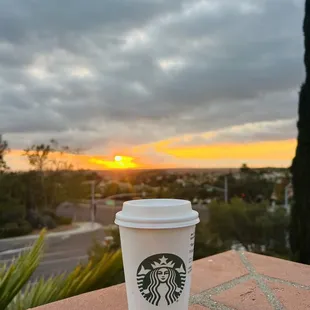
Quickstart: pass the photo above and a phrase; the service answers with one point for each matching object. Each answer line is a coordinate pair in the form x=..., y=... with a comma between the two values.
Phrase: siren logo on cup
x=161, y=279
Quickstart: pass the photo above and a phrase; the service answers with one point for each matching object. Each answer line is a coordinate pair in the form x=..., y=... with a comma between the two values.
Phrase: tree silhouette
x=300, y=214
x=4, y=148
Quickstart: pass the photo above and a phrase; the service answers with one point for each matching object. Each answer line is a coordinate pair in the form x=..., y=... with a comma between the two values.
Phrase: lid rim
x=119, y=216
x=155, y=202
x=157, y=225
x=157, y=214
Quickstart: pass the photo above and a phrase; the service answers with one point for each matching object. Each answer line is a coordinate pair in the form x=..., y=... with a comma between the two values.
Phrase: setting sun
x=119, y=162
x=118, y=158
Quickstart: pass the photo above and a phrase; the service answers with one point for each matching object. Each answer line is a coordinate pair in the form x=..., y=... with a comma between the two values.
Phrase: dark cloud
x=133, y=71
x=22, y=20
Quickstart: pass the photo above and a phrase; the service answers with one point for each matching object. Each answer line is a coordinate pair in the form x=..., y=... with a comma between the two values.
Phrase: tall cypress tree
x=300, y=214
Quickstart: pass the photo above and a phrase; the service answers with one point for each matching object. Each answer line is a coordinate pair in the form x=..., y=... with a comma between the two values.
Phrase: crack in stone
x=228, y=285
x=206, y=301
x=290, y=283
x=205, y=298
x=273, y=301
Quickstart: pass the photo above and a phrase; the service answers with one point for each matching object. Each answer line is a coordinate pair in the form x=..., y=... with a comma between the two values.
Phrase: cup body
x=157, y=240
x=157, y=266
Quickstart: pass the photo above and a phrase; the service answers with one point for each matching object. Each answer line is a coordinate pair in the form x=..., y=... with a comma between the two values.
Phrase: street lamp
x=224, y=190
x=92, y=201
x=287, y=187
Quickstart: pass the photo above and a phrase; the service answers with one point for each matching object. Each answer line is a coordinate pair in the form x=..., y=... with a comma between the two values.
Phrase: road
x=62, y=254
x=106, y=214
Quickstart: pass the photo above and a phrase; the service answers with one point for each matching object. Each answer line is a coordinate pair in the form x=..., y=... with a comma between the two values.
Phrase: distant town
x=201, y=186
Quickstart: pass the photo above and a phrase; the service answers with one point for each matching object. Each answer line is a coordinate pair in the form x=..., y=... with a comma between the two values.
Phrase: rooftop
x=231, y=280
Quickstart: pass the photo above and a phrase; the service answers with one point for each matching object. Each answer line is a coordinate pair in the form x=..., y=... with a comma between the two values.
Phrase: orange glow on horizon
x=120, y=162
x=165, y=154
x=265, y=150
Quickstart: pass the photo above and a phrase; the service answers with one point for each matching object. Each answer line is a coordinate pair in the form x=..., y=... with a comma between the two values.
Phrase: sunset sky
x=182, y=83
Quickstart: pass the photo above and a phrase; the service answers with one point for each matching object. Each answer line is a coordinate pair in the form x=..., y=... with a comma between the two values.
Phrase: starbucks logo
x=161, y=279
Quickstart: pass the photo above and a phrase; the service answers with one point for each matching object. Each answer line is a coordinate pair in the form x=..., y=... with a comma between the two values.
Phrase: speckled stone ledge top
x=230, y=280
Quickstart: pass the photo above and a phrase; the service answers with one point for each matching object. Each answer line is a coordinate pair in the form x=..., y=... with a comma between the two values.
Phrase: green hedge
x=61, y=220
x=13, y=229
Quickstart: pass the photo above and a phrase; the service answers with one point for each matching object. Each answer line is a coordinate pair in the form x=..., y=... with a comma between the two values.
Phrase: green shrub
x=256, y=227
x=10, y=226
x=10, y=211
x=20, y=228
x=50, y=213
x=35, y=219
x=14, y=276
x=24, y=226
x=61, y=220
x=14, y=294
x=48, y=222
x=96, y=252
x=26, y=229
x=207, y=243
x=114, y=233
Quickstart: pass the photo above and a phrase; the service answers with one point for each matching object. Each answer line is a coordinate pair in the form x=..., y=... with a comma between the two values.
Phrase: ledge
x=231, y=280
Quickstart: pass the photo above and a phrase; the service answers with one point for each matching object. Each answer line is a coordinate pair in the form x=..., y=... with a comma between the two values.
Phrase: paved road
x=62, y=254
x=106, y=214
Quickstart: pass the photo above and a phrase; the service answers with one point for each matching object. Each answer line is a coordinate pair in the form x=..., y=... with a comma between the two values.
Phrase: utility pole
x=287, y=187
x=226, y=189
x=92, y=202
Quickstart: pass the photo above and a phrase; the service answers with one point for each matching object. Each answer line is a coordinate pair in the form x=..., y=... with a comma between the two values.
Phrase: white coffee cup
x=157, y=240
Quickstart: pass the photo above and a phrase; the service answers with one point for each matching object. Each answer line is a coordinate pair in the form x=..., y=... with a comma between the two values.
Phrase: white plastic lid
x=157, y=214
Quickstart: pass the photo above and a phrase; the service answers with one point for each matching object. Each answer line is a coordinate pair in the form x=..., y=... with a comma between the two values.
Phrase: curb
x=84, y=227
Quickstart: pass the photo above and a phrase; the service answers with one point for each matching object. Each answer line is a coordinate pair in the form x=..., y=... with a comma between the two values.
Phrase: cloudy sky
x=183, y=83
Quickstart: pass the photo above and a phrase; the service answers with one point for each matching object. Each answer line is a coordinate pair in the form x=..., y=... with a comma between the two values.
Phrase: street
x=62, y=254
x=105, y=214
